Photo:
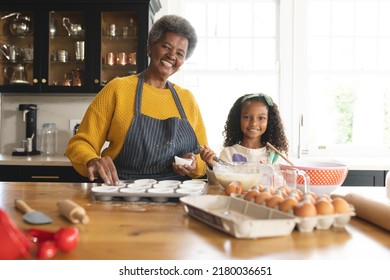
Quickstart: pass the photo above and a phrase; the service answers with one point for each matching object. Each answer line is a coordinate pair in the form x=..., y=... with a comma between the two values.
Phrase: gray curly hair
x=175, y=24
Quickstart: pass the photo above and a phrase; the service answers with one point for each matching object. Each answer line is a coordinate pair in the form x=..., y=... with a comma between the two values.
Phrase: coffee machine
x=30, y=118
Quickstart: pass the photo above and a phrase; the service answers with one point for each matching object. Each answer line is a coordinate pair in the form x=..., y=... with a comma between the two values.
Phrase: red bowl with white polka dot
x=324, y=177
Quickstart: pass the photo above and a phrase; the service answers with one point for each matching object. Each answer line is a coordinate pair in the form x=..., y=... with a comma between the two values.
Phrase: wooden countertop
x=36, y=160
x=156, y=231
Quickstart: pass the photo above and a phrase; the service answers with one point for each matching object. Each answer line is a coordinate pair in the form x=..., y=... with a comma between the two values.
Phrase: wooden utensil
x=280, y=154
x=32, y=216
x=72, y=211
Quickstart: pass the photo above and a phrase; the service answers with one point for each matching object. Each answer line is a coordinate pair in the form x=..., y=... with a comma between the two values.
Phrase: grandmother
x=146, y=119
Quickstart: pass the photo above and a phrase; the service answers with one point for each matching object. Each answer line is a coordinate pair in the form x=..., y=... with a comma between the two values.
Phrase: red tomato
x=46, y=250
x=40, y=235
x=66, y=238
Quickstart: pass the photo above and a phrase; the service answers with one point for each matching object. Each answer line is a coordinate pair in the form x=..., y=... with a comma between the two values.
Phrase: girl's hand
x=185, y=169
x=207, y=155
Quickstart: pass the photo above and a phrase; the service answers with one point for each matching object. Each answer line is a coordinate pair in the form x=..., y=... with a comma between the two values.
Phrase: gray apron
x=151, y=144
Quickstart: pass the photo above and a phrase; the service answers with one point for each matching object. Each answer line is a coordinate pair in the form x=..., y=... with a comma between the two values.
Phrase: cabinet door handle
x=96, y=81
x=35, y=81
x=43, y=81
x=44, y=177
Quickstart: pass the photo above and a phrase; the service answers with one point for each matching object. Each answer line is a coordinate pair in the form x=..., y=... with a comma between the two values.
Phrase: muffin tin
x=149, y=190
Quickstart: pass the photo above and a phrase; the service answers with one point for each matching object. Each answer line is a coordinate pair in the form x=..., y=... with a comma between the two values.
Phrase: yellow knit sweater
x=110, y=114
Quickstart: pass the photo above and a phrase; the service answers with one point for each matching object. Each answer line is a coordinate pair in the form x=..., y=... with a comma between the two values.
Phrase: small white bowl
x=165, y=186
x=120, y=185
x=169, y=182
x=190, y=191
x=132, y=190
x=194, y=182
x=105, y=189
x=140, y=185
x=191, y=187
x=161, y=190
x=147, y=181
x=183, y=161
x=133, y=198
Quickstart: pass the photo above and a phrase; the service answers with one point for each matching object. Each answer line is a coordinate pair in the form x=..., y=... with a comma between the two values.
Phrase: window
x=346, y=68
x=233, y=56
x=325, y=62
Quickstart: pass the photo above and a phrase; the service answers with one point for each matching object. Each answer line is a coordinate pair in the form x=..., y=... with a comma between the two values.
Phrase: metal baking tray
x=238, y=217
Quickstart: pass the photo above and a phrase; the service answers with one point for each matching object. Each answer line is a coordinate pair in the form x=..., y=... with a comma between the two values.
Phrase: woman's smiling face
x=168, y=54
x=254, y=119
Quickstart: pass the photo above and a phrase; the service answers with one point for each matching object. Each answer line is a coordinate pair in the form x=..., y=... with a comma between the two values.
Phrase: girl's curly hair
x=274, y=133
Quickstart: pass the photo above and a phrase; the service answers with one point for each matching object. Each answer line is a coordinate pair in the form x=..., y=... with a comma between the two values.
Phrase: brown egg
x=274, y=200
x=325, y=196
x=295, y=194
x=234, y=188
x=260, y=187
x=286, y=188
x=305, y=209
x=288, y=204
x=281, y=191
x=262, y=197
x=310, y=197
x=340, y=205
x=298, y=191
x=251, y=194
x=324, y=207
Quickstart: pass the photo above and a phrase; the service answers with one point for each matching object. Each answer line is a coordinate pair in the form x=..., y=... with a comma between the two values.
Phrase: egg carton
x=238, y=217
x=124, y=192
x=324, y=222
x=318, y=222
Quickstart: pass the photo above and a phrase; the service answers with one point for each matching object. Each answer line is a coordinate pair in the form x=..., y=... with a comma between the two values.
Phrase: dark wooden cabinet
x=365, y=178
x=28, y=173
x=72, y=46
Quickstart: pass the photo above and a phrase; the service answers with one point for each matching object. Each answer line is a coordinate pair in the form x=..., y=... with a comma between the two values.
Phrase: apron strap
x=138, y=97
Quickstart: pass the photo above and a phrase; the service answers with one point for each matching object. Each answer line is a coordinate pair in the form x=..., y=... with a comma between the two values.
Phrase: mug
x=121, y=58
x=109, y=58
x=112, y=30
x=132, y=58
x=61, y=56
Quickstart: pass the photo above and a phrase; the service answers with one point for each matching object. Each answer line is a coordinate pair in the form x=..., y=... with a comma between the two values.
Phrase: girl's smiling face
x=168, y=54
x=253, y=120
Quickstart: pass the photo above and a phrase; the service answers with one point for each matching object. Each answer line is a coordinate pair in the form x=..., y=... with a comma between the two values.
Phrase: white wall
x=56, y=109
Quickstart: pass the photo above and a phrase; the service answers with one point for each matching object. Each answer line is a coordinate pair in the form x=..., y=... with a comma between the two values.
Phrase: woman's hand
x=185, y=169
x=207, y=155
x=105, y=168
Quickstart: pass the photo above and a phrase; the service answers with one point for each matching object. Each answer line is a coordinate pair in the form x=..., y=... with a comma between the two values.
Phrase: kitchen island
x=120, y=230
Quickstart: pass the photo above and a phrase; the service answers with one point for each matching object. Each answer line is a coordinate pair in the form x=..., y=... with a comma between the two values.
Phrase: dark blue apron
x=151, y=144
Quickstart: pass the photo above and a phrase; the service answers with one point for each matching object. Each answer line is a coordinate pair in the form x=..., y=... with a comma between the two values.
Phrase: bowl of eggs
x=323, y=177
x=246, y=175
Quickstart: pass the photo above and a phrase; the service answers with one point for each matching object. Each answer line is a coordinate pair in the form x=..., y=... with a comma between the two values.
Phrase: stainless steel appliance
x=30, y=119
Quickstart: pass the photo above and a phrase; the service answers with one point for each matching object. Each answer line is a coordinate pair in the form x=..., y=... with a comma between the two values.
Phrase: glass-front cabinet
x=119, y=44
x=65, y=48
x=17, y=48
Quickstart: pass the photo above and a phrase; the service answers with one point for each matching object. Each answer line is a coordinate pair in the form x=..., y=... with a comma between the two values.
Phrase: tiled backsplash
x=55, y=109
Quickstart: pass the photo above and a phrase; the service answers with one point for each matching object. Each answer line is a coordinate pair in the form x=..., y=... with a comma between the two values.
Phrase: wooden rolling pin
x=377, y=213
x=72, y=211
